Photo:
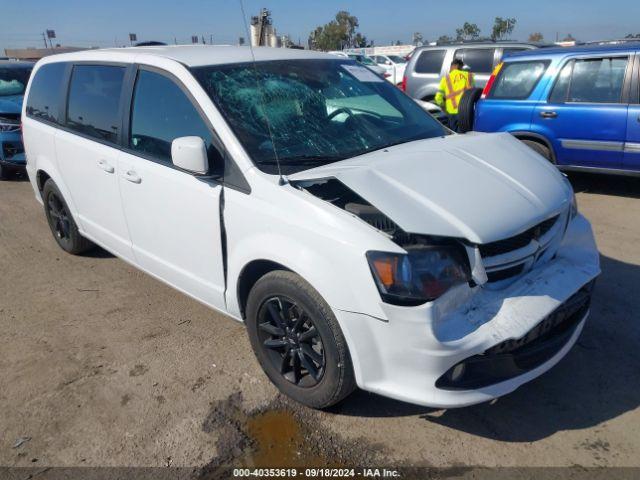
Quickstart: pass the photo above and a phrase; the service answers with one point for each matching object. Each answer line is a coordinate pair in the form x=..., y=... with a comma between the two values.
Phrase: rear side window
x=518, y=79
x=479, y=60
x=597, y=80
x=162, y=112
x=430, y=61
x=45, y=92
x=94, y=100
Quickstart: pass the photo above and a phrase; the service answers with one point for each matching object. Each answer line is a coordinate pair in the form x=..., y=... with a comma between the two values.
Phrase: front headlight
x=421, y=275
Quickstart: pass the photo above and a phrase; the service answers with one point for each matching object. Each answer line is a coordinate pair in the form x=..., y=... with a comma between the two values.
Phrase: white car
x=394, y=66
x=360, y=242
x=368, y=62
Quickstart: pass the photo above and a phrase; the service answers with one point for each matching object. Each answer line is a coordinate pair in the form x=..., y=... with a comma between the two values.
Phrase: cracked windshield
x=312, y=112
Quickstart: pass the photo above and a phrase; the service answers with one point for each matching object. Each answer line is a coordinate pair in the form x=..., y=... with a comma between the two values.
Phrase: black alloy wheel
x=59, y=219
x=292, y=342
x=61, y=222
x=298, y=341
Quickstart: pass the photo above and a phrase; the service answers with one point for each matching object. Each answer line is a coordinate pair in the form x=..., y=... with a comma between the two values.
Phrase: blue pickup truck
x=579, y=107
x=13, y=80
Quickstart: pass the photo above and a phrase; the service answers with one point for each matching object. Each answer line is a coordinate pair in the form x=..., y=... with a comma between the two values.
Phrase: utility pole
x=211, y=39
x=44, y=37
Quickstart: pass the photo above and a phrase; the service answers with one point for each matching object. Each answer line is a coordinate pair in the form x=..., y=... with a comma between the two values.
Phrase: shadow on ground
x=16, y=176
x=597, y=381
x=97, y=252
x=599, y=184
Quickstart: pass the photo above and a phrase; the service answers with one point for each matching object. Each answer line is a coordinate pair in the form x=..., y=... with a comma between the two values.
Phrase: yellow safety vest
x=452, y=86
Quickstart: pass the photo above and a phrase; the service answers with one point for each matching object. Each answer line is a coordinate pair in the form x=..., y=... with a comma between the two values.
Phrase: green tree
x=569, y=38
x=339, y=33
x=536, y=37
x=631, y=35
x=502, y=27
x=469, y=31
x=360, y=41
x=418, y=39
x=444, y=39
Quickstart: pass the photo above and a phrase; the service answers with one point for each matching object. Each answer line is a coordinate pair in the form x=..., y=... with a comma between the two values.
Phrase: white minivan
x=361, y=242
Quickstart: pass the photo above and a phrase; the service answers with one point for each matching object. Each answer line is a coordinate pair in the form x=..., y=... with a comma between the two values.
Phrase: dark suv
x=13, y=80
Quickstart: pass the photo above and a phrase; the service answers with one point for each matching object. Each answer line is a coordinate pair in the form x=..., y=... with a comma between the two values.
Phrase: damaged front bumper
x=476, y=344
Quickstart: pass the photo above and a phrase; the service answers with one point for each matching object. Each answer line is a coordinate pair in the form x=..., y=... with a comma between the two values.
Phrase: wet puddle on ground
x=277, y=441
x=280, y=434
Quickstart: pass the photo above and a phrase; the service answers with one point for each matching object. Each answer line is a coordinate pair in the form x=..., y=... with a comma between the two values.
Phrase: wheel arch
x=41, y=178
x=536, y=137
x=249, y=276
x=46, y=171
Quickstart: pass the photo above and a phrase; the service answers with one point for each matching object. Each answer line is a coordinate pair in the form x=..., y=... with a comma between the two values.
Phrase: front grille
x=9, y=122
x=10, y=116
x=518, y=241
x=505, y=273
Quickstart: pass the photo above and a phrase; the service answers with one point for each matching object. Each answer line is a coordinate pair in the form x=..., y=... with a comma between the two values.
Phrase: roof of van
x=581, y=49
x=196, y=55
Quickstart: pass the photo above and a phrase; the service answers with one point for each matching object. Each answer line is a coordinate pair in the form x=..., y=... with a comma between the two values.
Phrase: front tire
x=297, y=340
x=539, y=148
x=63, y=227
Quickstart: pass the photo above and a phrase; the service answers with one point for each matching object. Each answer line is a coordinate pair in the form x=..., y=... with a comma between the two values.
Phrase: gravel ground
x=102, y=365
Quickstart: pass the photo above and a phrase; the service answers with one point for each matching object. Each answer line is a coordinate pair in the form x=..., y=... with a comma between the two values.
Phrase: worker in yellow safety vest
x=452, y=86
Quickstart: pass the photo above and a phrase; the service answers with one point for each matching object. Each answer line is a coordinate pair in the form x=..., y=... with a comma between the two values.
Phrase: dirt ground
x=101, y=365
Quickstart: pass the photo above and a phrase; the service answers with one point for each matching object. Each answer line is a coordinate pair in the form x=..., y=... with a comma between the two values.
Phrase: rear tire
x=467, y=109
x=539, y=148
x=62, y=225
x=297, y=340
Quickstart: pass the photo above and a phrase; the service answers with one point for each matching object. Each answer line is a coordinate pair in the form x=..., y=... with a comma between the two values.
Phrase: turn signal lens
x=385, y=268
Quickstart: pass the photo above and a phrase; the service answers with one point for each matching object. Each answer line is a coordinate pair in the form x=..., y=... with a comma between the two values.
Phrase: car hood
x=482, y=187
x=11, y=104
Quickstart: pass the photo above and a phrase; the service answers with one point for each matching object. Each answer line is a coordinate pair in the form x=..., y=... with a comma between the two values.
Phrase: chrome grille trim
x=526, y=256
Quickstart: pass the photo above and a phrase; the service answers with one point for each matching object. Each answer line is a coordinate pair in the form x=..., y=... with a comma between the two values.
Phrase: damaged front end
x=434, y=264
x=429, y=268
x=491, y=285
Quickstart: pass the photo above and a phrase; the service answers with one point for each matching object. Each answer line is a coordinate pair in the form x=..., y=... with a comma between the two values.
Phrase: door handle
x=548, y=114
x=132, y=176
x=104, y=165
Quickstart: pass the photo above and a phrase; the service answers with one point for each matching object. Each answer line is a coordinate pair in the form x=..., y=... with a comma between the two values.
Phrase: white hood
x=482, y=187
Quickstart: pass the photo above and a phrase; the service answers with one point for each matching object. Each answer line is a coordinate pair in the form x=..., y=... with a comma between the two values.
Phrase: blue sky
x=108, y=22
